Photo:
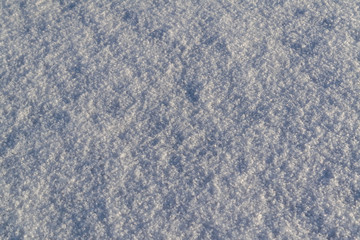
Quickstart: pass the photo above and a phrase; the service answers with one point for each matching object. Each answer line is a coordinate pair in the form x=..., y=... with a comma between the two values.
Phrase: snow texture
x=180, y=119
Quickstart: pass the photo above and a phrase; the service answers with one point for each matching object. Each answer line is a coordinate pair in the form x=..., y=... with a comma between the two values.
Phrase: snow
x=164, y=119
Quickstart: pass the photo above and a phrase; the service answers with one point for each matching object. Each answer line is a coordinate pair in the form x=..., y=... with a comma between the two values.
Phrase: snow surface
x=180, y=119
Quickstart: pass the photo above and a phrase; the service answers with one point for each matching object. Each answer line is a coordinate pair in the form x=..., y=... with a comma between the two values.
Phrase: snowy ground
x=180, y=119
